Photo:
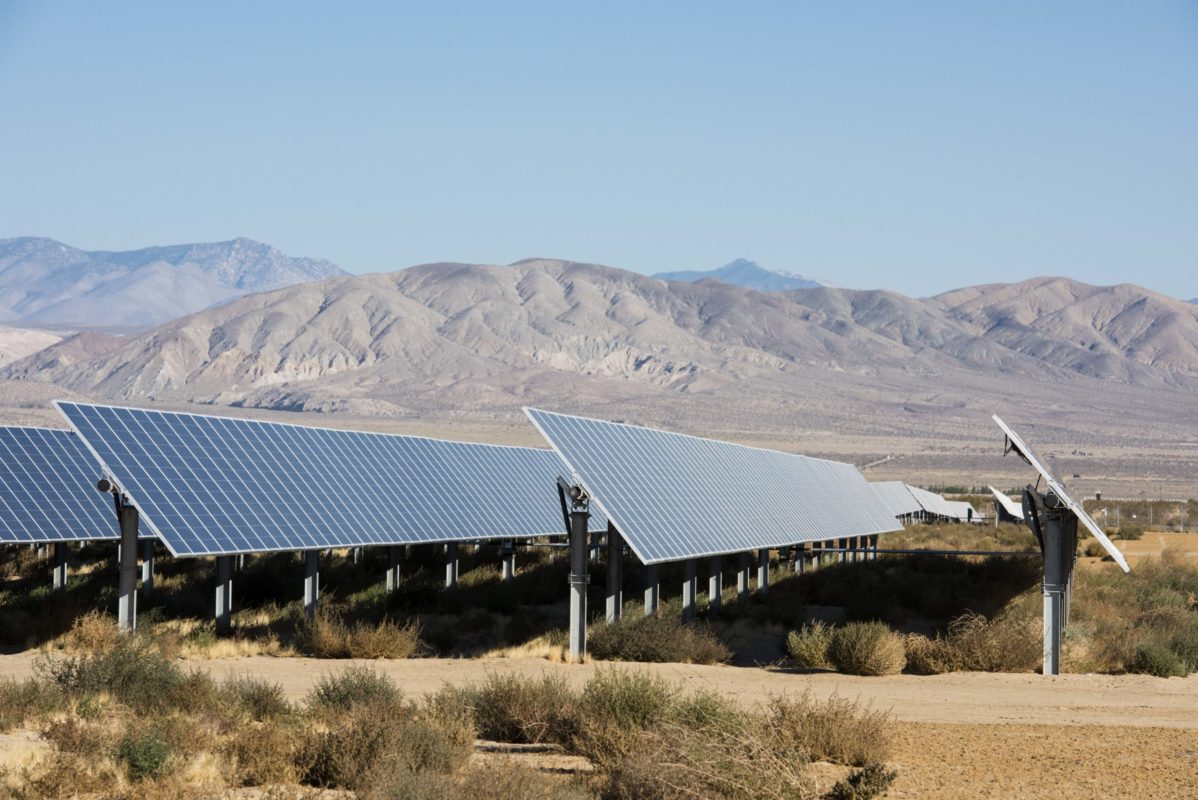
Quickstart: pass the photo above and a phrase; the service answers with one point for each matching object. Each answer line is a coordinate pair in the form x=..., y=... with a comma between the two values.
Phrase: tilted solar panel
x=48, y=489
x=897, y=498
x=1008, y=505
x=1019, y=446
x=677, y=497
x=932, y=503
x=209, y=485
x=963, y=511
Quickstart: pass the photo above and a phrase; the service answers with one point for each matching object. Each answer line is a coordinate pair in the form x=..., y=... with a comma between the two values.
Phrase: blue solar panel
x=676, y=497
x=48, y=489
x=210, y=485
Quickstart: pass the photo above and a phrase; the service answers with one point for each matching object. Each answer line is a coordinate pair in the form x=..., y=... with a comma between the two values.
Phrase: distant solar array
x=897, y=498
x=1015, y=443
x=209, y=485
x=676, y=497
x=933, y=503
x=48, y=489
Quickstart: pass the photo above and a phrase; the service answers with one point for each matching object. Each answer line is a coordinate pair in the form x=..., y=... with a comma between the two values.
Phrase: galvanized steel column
x=742, y=576
x=126, y=613
x=652, y=577
x=579, y=522
x=224, y=593
x=393, y=568
x=800, y=559
x=311, y=582
x=715, y=583
x=763, y=571
x=58, y=577
x=451, y=565
x=507, y=552
x=147, y=566
x=615, y=574
x=690, y=588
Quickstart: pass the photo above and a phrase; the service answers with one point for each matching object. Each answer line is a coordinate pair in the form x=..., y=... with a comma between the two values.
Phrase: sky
x=915, y=146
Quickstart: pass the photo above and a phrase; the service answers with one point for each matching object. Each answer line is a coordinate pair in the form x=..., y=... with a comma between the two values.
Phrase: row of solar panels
x=208, y=485
x=904, y=500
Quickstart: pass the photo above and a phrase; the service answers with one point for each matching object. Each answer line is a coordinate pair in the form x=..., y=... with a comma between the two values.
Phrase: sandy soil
x=1152, y=544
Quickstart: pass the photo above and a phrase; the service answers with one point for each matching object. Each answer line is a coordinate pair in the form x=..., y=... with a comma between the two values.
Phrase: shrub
x=94, y=632
x=145, y=754
x=258, y=699
x=27, y=699
x=866, y=648
x=1003, y=644
x=263, y=754
x=809, y=646
x=656, y=638
x=77, y=737
x=864, y=784
x=510, y=708
x=1159, y=661
x=328, y=636
x=837, y=730
x=629, y=699
x=132, y=670
x=352, y=687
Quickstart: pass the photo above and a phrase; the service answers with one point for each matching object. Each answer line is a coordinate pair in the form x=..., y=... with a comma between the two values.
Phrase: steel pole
x=61, y=559
x=615, y=576
x=690, y=587
x=579, y=522
x=311, y=582
x=742, y=576
x=393, y=567
x=451, y=565
x=126, y=613
x=763, y=571
x=652, y=588
x=715, y=583
x=224, y=594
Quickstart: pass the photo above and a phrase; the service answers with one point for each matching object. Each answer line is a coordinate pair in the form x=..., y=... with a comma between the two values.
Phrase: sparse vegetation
x=658, y=637
x=1004, y=644
x=809, y=646
x=866, y=648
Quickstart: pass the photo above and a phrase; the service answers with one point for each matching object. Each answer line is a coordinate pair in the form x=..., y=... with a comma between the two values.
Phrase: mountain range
x=749, y=274
x=47, y=282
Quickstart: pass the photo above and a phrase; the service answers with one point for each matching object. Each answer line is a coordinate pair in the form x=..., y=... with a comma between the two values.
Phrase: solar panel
x=1008, y=505
x=48, y=489
x=896, y=497
x=963, y=511
x=932, y=503
x=209, y=485
x=677, y=497
x=1019, y=446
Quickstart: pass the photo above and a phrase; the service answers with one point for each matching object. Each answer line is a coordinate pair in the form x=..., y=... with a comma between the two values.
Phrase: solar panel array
x=676, y=497
x=210, y=485
x=932, y=503
x=1008, y=505
x=963, y=511
x=1059, y=489
x=48, y=489
x=897, y=498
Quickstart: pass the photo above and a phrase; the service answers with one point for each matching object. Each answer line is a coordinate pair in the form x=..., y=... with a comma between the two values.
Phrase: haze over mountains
x=45, y=281
x=749, y=274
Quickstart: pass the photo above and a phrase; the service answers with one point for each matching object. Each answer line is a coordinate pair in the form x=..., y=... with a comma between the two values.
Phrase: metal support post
x=715, y=583
x=840, y=550
x=742, y=577
x=393, y=553
x=874, y=545
x=61, y=558
x=800, y=559
x=311, y=582
x=579, y=522
x=615, y=574
x=593, y=548
x=126, y=613
x=355, y=555
x=1057, y=529
x=507, y=553
x=690, y=588
x=224, y=594
x=652, y=575
x=763, y=571
x=147, y=566
x=451, y=565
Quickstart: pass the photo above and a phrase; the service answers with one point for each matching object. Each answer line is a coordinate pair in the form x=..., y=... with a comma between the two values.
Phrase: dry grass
x=1006, y=643
x=656, y=638
x=809, y=646
x=329, y=636
x=866, y=648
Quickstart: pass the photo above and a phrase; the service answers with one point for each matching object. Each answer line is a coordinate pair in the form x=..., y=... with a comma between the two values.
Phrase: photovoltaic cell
x=897, y=498
x=209, y=485
x=932, y=503
x=1008, y=505
x=48, y=489
x=1019, y=446
x=677, y=497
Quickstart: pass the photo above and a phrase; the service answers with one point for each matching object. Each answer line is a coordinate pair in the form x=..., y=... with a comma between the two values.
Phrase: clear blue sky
x=917, y=146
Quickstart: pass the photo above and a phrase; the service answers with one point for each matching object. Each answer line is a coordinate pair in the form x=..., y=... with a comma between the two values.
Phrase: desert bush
x=362, y=749
x=866, y=648
x=329, y=636
x=25, y=700
x=628, y=698
x=132, y=670
x=1094, y=550
x=510, y=708
x=809, y=646
x=353, y=687
x=1131, y=532
x=498, y=780
x=1004, y=644
x=837, y=730
x=864, y=784
x=1159, y=661
x=78, y=737
x=94, y=632
x=260, y=700
x=656, y=638
x=145, y=754
x=262, y=754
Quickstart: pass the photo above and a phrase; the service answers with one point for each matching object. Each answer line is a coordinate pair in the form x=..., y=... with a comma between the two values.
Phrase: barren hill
x=42, y=280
